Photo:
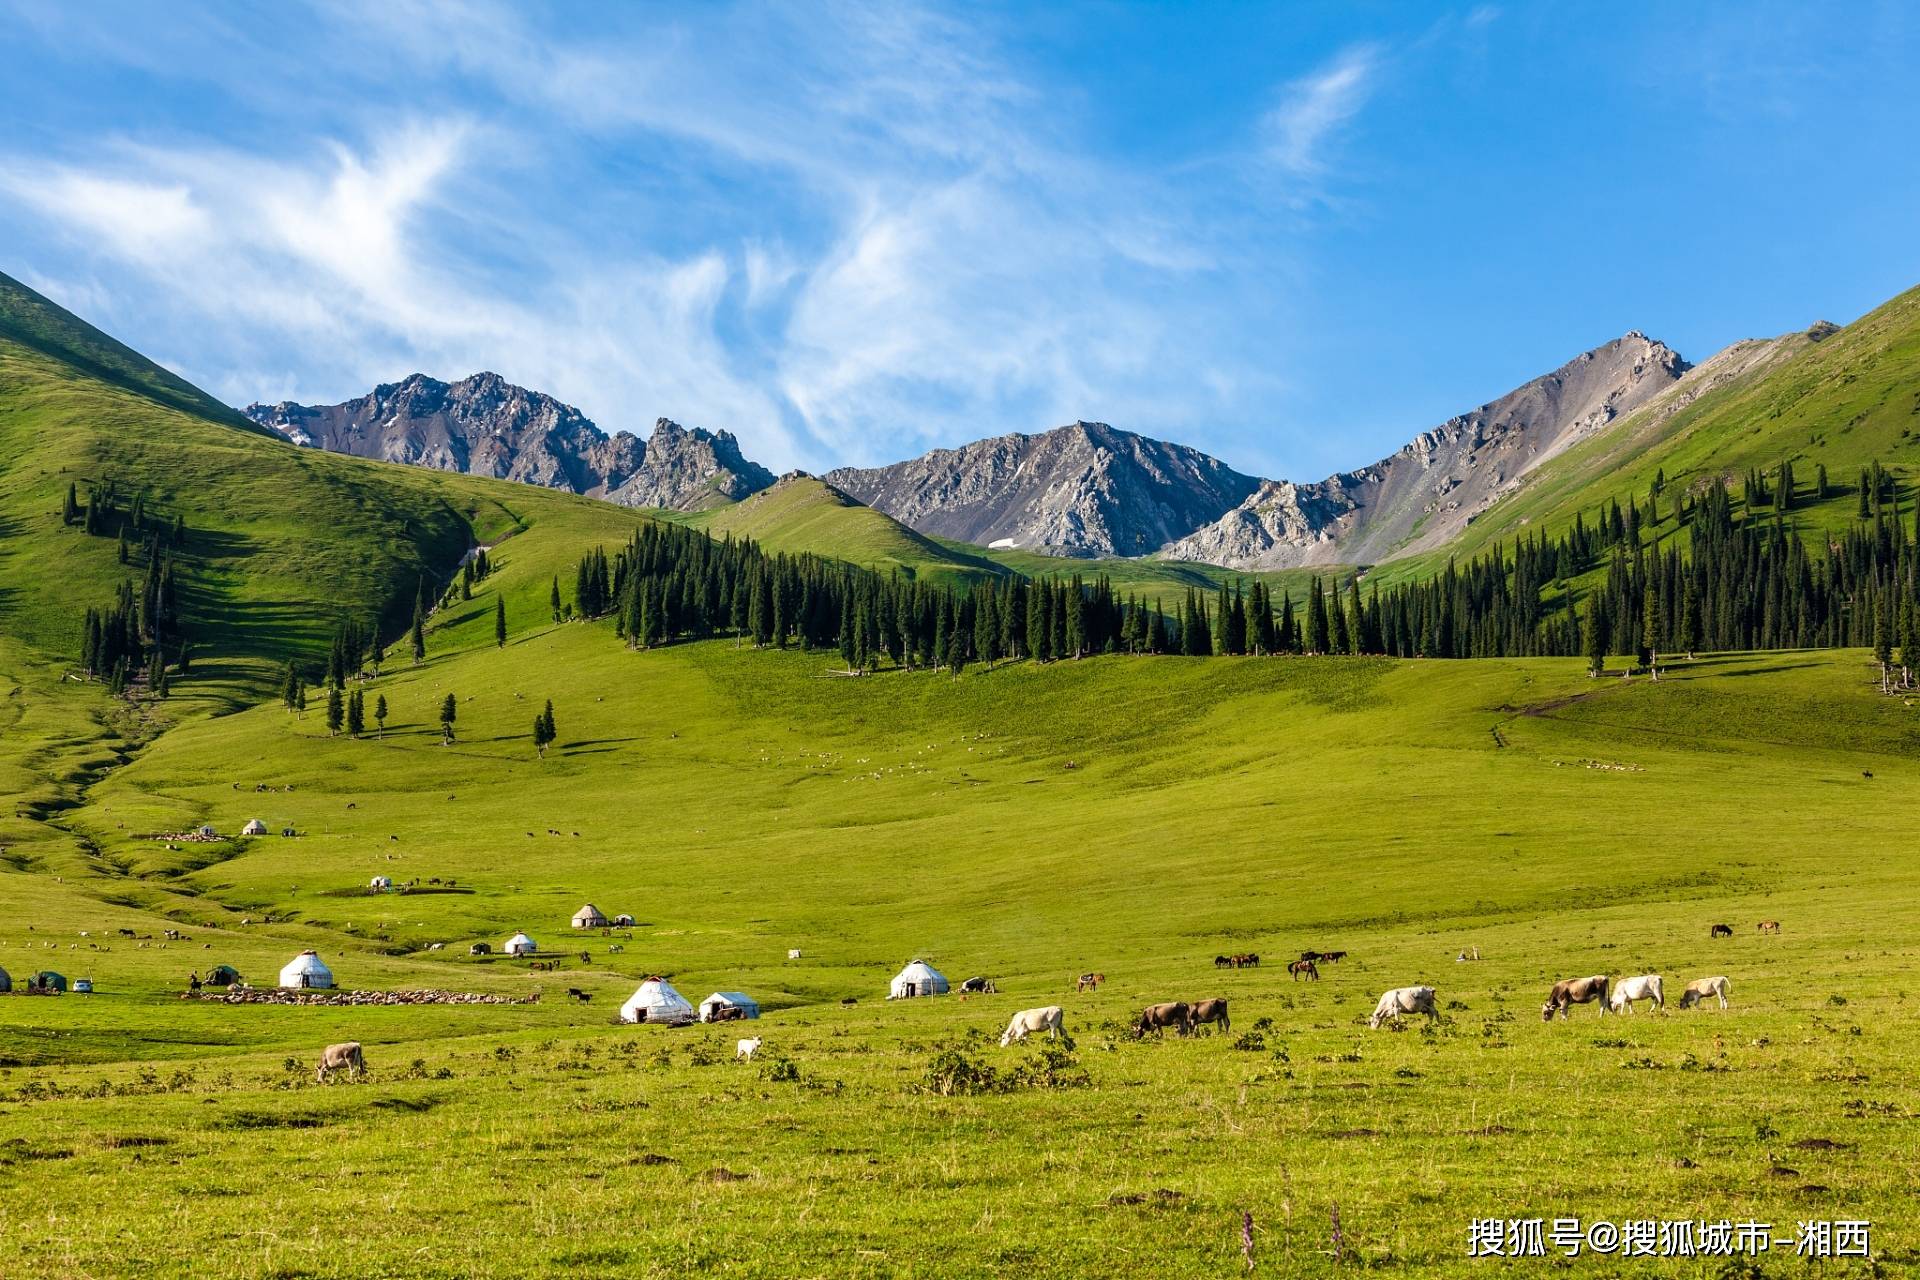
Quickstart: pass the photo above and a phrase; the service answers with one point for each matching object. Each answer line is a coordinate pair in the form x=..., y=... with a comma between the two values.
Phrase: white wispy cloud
x=1314, y=108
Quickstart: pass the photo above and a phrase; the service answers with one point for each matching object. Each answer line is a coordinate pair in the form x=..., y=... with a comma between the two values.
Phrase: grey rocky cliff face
x=1429, y=491
x=1084, y=489
x=485, y=425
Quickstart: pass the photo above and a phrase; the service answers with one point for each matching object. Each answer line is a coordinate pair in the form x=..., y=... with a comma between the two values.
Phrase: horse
x=1303, y=968
x=1769, y=926
x=1090, y=982
x=1720, y=931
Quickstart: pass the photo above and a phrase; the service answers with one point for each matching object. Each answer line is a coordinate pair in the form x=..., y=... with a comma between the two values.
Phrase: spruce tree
x=418, y=639
x=449, y=712
x=290, y=686
x=555, y=598
x=70, y=511
x=356, y=713
x=1596, y=637
x=499, y=620
x=336, y=710
x=380, y=717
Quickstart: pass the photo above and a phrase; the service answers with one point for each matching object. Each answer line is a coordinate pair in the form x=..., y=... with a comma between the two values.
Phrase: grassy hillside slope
x=804, y=514
x=1846, y=401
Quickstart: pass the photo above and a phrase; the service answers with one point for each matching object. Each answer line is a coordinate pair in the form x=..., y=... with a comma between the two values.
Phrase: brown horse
x=1303, y=969
x=1090, y=982
x=1769, y=926
x=1720, y=931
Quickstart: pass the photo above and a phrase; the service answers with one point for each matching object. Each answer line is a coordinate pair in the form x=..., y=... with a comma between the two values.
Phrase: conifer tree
x=1596, y=637
x=499, y=620
x=290, y=686
x=336, y=710
x=555, y=598
x=380, y=717
x=449, y=712
x=356, y=713
x=418, y=639
x=70, y=510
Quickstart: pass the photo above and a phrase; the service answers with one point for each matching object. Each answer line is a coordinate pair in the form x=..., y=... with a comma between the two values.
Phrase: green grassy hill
x=1847, y=400
x=805, y=514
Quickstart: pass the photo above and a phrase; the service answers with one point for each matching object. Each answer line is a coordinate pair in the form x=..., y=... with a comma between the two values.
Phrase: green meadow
x=1133, y=817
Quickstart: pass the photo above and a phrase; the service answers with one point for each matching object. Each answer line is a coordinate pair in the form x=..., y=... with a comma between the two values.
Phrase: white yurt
x=305, y=970
x=713, y=1004
x=380, y=882
x=520, y=945
x=623, y=921
x=657, y=1001
x=917, y=979
x=589, y=917
x=254, y=828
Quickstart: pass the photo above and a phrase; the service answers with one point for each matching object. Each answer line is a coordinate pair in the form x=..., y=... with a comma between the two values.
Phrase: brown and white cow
x=1572, y=991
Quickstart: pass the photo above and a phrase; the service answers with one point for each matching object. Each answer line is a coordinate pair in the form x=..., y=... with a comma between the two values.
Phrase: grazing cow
x=1700, y=988
x=1573, y=991
x=981, y=986
x=743, y=1050
x=575, y=993
x=1158, y=1017
x=341, y=1057
x=1050, y=1019
x=1720, y=931
x=1403, y=1000
x=1214, y=1010
x=1628, y=990
x=1304, y=969
x=1769, y=926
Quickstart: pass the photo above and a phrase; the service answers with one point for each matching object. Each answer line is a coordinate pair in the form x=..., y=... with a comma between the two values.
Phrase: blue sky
x=1292, y=235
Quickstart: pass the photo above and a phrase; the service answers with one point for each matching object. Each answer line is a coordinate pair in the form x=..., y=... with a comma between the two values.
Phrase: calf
x=1628, y=990
x=341, y=1057
x=1700, y=988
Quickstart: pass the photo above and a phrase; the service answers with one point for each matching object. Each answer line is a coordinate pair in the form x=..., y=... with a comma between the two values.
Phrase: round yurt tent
x=254, y=828
x=47, y=980
x=222, y=975
x=6, y=980
x=520, y=945
x=711, y=1007
x=380, y=882
x=623, y=921
x=589, y=917
x=917, y=979
x=305, y=970
x=657, y=1001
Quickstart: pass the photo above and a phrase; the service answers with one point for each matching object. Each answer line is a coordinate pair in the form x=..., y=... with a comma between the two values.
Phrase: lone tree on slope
x=500, y=620
x=449, y=712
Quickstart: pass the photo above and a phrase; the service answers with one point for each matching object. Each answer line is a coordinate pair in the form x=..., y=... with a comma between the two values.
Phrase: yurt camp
x=254, y=828
x=379, y=883
x=520, y=945
x=716, y=1007
x=589, y=917
x=306, y=971
x=657, y=1001
x=222, y=975
x=623, y=921
x=918, y=979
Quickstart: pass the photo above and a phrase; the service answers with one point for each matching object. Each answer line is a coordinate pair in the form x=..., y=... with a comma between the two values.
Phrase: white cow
x=341, y=1057
x=744, y=1050
x=1645, y=987
x=1403, y=1000
x=1701, y=988
x=1031, y=1021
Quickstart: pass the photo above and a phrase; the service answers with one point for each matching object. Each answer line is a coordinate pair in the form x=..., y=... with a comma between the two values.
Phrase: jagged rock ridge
x=1425, y=494
x=485, y=425
x=1084, y=489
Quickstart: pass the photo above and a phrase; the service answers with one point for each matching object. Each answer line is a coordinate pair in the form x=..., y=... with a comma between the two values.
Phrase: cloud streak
x=1316, y=107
